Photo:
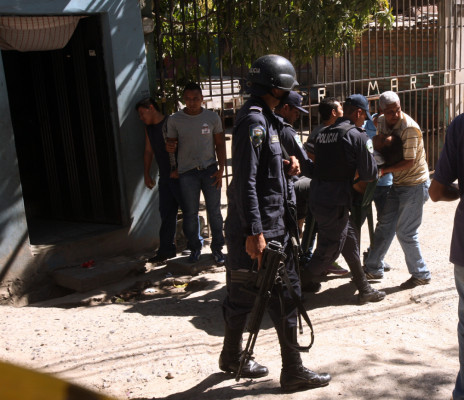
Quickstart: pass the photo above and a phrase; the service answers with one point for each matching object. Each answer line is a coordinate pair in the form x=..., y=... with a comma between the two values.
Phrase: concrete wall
x=127, y=79
x=13, y=227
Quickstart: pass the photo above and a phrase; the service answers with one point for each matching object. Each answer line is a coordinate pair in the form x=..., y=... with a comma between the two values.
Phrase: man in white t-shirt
x=199, y=136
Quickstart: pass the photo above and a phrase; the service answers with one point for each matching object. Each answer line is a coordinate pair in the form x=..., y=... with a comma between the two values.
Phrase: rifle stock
x=268, y=274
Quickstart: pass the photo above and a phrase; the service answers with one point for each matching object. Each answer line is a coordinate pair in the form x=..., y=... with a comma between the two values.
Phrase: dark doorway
x=60, y=110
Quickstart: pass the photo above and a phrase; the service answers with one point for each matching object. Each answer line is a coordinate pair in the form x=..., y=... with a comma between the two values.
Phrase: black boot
x=367, y=294
x=308, y=283
x=229, y=360
x=294, y=376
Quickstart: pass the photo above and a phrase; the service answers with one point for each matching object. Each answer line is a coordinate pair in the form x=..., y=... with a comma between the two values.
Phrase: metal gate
x=420, y=58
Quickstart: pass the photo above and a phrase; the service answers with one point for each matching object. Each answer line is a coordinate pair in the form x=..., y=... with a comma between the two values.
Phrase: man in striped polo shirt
x=404, y=205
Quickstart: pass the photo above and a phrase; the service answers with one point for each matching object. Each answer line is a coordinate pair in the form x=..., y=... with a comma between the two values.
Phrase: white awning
x=36, y=33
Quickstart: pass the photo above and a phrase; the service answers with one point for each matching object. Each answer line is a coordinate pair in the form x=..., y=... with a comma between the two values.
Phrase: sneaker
x=194, y=256
x=371, y=296
x=386, y=267
x=372, y=275
x=186, y=252
x=161, y=258
x=337, y=269
x=218, y=257
x=412, y=282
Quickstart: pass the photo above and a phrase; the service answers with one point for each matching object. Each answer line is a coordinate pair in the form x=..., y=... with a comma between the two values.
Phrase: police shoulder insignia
x=369, y=146
x=275, y=139
x=298, y=140
x=257, y=134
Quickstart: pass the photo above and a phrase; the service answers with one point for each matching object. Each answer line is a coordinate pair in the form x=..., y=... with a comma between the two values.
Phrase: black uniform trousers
x=239, y=303
x=337, y=235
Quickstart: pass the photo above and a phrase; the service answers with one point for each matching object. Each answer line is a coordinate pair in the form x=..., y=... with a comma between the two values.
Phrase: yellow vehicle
x=18, y=383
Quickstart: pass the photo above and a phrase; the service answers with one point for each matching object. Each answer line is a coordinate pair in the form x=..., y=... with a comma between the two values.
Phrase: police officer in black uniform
x=288, y=111
x=340, y=150
x=257, y=213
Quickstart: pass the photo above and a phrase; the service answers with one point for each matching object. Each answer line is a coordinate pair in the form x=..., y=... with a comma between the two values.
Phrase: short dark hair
x=192, y=86
x=349, y=109
x=326, y=106
x=146, y=103
x=279, y=106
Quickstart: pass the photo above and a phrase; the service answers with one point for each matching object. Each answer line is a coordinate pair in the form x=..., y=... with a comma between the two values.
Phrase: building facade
x=71, y=160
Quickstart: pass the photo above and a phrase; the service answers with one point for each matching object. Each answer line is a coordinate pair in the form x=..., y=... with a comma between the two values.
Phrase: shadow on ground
x=206, y=389
x=351, y=380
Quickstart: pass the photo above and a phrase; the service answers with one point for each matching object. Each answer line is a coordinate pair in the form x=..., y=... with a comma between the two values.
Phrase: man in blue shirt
x=384, y=183
x=169, y=190
x=450, y=167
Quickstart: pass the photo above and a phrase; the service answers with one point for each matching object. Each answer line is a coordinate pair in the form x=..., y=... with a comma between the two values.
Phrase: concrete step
x=83, y=279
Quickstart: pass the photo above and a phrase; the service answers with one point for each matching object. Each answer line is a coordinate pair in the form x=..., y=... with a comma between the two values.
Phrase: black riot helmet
x=272, y=71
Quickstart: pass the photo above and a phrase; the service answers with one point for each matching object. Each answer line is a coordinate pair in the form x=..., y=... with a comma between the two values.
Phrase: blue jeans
x=192, y=183
x=402, y=214
x=458, y=392
x=380, y=198
x=169, y=202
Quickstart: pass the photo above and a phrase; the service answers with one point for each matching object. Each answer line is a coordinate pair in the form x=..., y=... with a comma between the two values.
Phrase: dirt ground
x=165, y=344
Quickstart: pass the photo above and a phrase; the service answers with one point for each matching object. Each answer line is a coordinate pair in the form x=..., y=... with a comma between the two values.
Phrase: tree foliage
x=235, y=32
x=249, y=28
x=307, y=28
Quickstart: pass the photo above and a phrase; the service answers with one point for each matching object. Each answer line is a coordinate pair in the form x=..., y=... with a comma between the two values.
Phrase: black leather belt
x=198, y=168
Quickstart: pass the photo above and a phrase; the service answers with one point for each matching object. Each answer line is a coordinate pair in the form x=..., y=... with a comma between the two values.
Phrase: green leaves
x=299, y=28
x=235, y=32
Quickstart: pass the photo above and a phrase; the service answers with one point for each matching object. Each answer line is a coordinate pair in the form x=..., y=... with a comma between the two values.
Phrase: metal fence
x=420, y=58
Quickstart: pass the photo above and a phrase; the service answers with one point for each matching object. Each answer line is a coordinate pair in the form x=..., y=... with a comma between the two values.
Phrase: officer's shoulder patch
x=257, y=134
x=369, y=146
x=298, y=140
x=256, y=108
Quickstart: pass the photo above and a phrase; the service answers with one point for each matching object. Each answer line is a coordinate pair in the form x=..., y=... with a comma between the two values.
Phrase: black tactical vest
x=330, y=164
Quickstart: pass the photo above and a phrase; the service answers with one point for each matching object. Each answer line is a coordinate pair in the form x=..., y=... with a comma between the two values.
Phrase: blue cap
x=358, y=100
x=295, y=100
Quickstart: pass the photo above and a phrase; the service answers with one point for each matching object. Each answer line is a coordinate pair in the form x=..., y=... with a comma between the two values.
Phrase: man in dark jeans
x=168, y=184
x=198, y=135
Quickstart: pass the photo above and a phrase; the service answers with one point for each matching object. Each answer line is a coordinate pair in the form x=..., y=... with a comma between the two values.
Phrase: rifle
x=296, y=256
x=268, y=274
x=271, y=273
